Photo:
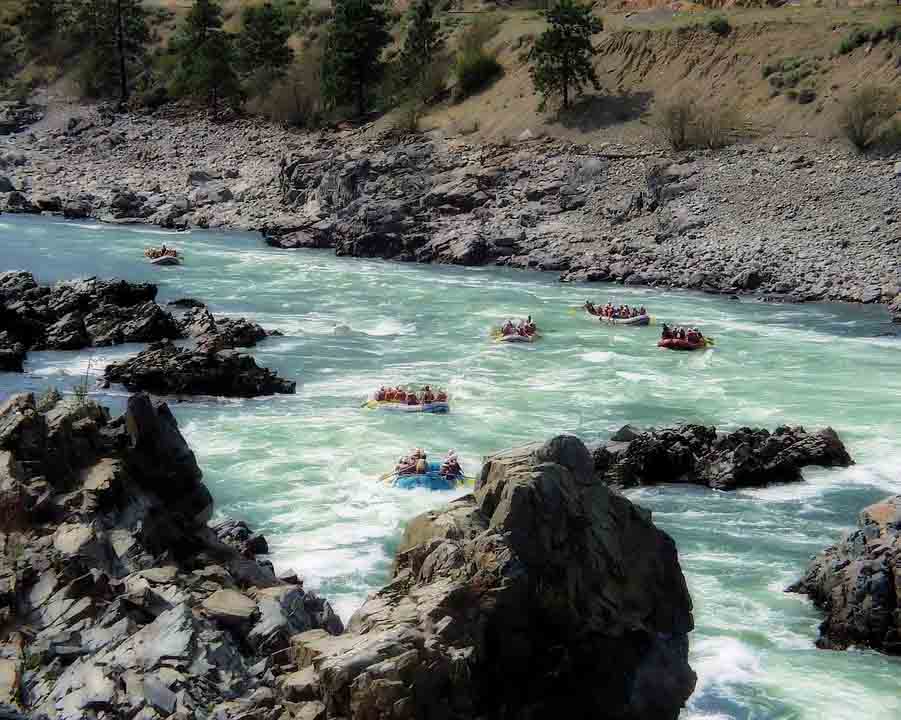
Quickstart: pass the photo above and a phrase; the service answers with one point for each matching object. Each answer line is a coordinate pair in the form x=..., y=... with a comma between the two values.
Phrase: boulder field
x=857, y=582
x=542, y=591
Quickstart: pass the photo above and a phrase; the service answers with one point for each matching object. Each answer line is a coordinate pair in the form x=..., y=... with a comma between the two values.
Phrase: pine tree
x=112, y=35
x=351, y=62
x=262, y=47
x=423, y=41
x=41, y=23
x=561, y=57
x=205, y=57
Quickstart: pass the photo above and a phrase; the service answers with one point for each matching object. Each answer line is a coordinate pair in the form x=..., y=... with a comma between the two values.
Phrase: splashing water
x=303, y=469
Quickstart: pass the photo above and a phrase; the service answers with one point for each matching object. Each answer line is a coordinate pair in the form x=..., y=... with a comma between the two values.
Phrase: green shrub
x=475, y=72
x=684, y=123
x=719, y=25
x=806, y=96
x=863, y=114
x=475, y=67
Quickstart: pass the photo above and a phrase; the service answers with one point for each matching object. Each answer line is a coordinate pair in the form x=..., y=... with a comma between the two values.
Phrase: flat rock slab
x=230, y=607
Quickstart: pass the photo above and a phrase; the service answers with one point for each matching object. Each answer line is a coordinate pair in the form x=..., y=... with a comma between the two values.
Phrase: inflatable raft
x=500, y=337
x=433, y=407
x=677, y=344
x=166, y=260
x=430, y=480
x=638, y=321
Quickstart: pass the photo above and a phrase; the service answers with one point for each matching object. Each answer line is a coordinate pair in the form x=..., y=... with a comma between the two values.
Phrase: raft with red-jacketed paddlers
x=618, y=314
x=680, y=338
x=409, y=400
x=525, y=331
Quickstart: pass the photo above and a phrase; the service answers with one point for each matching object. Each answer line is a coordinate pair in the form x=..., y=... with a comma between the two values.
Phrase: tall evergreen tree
x=112, y=35
x=423, y=41
x=561, y=57
x=205, y=57
x=351, y=62
x=41, y=23
x=262, y=47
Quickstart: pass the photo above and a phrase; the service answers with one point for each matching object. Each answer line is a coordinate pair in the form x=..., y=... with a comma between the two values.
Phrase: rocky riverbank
x=699, y=455
x=800, y=221
x=857, y=582
x=118, y=600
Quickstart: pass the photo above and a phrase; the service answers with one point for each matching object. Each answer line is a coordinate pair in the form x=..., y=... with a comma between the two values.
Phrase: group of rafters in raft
x=671, y=338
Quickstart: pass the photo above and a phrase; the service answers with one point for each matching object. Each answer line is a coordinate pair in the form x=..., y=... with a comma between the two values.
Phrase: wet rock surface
x=164, y=369
x=213, y=334
x=117, y=599
x=518, y=601
x=857, y=582
x=77, y=314
x=699, y=455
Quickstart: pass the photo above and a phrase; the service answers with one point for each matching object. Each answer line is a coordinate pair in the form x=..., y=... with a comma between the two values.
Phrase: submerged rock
x=857, y=582
x=164, y=369
x=724, y=461
x=543, y=593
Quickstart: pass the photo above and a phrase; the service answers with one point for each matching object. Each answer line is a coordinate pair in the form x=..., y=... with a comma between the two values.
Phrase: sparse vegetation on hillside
x=864, y=115
x=686, y=123
x=476, y=67
x=561, y=56
x=889, y=30
x=719, y=25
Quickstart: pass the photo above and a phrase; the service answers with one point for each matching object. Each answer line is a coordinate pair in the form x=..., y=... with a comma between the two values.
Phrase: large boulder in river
x=164, y=369
x=214, y=334
x=542, y=594
x=725, y=461
x=857, y=582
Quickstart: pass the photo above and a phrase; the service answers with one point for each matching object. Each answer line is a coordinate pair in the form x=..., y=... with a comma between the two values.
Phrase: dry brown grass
x=684, y=122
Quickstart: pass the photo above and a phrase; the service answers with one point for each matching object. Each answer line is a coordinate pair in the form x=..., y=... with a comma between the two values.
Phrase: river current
x=303, y=469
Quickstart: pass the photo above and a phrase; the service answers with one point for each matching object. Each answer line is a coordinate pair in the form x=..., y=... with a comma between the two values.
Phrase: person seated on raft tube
x=412, y=399
x=381, y=394
x=427, y=395
x=450, y=467
x=589, y=306
x=441, y=396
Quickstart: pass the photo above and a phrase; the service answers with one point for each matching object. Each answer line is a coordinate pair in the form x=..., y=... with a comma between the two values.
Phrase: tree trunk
x=120, y=38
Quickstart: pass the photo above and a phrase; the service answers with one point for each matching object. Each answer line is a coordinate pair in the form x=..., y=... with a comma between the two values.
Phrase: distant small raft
x=166, y=260
x=433, y=407
x=637, y=321
x=677, y=344
x=430, y=480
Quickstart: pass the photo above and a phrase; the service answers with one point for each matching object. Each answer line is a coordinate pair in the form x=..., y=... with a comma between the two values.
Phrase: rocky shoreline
x=799, y=222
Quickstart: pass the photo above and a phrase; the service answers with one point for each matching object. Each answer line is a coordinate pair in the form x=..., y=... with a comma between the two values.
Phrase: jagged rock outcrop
x=78, y=314
x=12, y=354
x=164, y=369
x=542, y=594
x=215, y=334
x=725, y=461
x=116, y=599
x=857, y=582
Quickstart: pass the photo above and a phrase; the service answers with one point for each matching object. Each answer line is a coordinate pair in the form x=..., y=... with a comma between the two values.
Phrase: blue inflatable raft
x=432, y=480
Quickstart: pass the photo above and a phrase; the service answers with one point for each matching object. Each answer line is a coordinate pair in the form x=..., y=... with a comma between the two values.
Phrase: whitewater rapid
x=303, y=469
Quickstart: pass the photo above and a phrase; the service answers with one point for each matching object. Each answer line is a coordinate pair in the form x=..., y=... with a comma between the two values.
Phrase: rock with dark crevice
x=857, y=583
x=698, y=455
x=214, y=334
x=164, y=369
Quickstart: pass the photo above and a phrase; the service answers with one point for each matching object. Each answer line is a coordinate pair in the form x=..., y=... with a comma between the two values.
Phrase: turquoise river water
x=303, y=469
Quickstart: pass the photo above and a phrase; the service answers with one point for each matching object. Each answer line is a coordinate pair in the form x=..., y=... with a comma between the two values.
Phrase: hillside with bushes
x=676, y=72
